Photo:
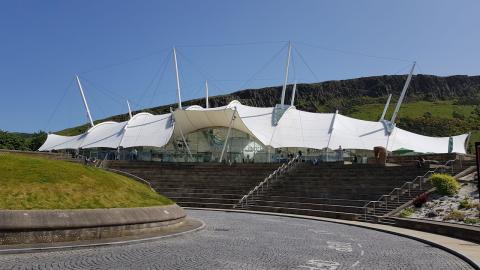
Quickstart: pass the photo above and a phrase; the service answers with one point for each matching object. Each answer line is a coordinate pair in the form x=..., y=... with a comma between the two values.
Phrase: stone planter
x=49, y=226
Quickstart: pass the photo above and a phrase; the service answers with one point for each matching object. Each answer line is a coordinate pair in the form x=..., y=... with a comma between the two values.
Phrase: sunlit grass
x=28, y=182
x=443, y=109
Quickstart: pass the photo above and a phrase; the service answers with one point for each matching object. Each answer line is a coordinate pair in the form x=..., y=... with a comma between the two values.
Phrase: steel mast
x=179, y=97
x=84, y=101
x=286, y=73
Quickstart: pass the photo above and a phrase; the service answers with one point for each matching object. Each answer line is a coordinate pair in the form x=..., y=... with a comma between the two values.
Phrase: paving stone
x=249, y=241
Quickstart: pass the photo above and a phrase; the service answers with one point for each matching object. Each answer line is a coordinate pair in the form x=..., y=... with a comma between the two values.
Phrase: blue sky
x=122, y=49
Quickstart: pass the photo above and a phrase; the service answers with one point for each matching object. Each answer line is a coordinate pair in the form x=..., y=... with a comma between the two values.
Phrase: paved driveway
x=249, y=241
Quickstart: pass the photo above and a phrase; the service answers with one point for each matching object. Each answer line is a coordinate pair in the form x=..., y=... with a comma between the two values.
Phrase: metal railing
x=102, y=162
x=406, y=187
x=268, y=180
x=138, y=178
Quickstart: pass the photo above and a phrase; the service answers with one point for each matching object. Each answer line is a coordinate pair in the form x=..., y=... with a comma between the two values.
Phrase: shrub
x=466, y=204
x=458, y=115
x=472, y=220
x=420, y=200
x=406, y=212
x=445, y=184
x=455, y=215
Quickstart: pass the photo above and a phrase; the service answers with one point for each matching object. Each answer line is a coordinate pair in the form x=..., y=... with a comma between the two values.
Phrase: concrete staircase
x=401, y=198
x=206, y=185
x=334, y=191
x=331, y=190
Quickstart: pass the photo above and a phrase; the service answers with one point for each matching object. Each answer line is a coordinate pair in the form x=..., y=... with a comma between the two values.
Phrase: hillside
x=434, y=105
x=37, y=183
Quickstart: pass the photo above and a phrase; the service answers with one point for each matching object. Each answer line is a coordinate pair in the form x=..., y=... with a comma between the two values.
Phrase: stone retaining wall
x=465, y=232
x=46, y=226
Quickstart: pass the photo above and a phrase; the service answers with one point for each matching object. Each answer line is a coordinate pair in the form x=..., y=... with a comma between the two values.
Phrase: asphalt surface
x=250, y=241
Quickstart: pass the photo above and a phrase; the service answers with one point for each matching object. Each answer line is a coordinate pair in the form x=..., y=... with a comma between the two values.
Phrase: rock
x=431, y=214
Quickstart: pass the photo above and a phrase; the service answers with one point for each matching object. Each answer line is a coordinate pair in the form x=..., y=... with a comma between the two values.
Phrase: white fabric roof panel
x=294, y=129
x=404, y=139
x=106, y=134
x=58, y=142
x=302, y=129
x=351, y=133
x=145, y=129
x=190, y=120
x=258, y=121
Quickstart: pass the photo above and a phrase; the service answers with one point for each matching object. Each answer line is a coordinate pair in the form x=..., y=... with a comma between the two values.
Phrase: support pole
x=330, y=130
x=186, y=144
x=286, y=73
x=84, y=101
x=181, y=134
x=228, y=135
x=293, y=93
x=206, y=94
x=179, y=97
x=129, y=110
x=402, y=95
x=386, y=107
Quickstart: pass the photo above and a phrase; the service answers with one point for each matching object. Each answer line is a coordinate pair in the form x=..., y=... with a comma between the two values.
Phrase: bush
x=420, y=200
x=406, y=212
x=466, y=204
x=445, y=184
x=472, y=220
x=458, y=115
x=455, y=215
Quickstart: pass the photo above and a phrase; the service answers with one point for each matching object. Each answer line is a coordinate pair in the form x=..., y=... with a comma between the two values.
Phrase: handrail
x=274, y=175
x=131, y=175
x=401, y=189
x=102, y=161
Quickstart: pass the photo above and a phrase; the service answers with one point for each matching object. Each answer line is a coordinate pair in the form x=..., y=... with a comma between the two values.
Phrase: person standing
x=339, y=153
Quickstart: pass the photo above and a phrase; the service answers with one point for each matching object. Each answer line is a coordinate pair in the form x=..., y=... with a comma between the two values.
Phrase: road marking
x=339, y=246
x=319, y=231
x=359, y=245
x=320, y=265
x=362, y=253
x=355, y=264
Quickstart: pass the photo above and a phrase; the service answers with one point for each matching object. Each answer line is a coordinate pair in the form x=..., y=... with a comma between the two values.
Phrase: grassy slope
x=36, y=183
x=442, y=109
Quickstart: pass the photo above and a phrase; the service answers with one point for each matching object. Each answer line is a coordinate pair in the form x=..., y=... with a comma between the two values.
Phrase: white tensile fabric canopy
x=294, y=129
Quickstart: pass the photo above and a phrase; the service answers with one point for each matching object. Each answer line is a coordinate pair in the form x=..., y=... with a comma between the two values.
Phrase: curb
x=470, y=261
x=125, y=242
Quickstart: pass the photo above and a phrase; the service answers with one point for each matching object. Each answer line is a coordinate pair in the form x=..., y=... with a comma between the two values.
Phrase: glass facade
x=206, y=145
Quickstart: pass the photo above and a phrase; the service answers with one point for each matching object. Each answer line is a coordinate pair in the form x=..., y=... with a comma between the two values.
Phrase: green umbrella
x=402, y=151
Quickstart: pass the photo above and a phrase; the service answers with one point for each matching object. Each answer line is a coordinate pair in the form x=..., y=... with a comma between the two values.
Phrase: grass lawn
x=28, y=182
x=442, y=109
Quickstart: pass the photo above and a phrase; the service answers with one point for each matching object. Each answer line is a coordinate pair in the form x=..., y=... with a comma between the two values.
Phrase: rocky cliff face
x=310, y=96
x=343, y=94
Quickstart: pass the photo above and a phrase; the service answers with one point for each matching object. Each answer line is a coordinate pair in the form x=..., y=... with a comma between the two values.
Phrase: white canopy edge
x=296, y=128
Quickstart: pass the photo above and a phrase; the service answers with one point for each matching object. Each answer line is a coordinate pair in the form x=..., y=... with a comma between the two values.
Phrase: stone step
x=240, y=192
x=308, y=212
x=205, y=205
x=203, y=186
x=218, y=195
x=315, y=200
x=229, y=201
x=325, y=207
